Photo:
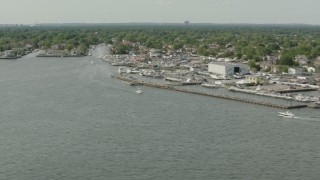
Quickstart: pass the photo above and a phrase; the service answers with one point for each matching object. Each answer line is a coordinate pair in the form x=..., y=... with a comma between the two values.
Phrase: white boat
x=132, y=71
x=258, y=88
x=173, y=79
x=121, y=70
x=139, y=91
x=208, y=85
x=286, y=114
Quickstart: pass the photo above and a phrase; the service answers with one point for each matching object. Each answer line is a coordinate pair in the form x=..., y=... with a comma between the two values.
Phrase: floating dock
x=180, y=89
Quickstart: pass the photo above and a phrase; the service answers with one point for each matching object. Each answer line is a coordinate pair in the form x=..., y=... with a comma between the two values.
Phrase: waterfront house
x=295, y=71
x=58, y=47
x=155, y=53
x=8, y=54
x=256, y=79
x=317, y=62
x=302, y=59
x=272, y=59
x=195, y=68
x=310, y=69
x=266, y=65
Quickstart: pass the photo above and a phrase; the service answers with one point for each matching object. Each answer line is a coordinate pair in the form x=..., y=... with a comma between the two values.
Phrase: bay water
x=66, y=118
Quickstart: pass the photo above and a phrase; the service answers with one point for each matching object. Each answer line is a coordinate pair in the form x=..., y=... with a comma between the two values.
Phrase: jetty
x=185, y=90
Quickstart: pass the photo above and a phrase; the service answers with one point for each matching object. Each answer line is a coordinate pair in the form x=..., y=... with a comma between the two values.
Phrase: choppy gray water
x=67, y=119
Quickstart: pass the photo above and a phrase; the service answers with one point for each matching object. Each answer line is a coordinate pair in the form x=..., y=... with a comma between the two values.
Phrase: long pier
x=180, y=89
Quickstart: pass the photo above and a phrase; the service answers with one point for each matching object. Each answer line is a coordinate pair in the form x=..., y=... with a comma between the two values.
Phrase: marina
x=279, y=91
x=185, y=90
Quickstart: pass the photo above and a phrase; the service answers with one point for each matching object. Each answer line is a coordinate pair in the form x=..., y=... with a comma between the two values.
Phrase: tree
x=253, y=65
x=287, y=58
x=283, y=68
x=69, y=47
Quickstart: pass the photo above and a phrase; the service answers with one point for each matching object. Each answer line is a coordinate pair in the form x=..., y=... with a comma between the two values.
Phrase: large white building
x=155, y=53
x=227, y=68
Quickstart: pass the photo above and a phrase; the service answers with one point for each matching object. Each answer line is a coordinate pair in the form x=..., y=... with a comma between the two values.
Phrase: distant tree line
x=248, y=42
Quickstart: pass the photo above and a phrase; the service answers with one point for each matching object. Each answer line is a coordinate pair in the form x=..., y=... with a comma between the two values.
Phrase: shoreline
x=10, y=58
x=63, y=56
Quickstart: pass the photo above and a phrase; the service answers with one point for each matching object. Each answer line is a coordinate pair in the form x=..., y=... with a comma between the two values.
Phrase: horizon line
x=158, y=23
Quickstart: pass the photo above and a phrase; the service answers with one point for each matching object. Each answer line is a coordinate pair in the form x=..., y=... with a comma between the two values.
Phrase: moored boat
x=208, y=85
x=139, y=91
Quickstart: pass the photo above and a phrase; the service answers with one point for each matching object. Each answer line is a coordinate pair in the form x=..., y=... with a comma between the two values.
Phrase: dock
x=185, y=83
x=181, y=89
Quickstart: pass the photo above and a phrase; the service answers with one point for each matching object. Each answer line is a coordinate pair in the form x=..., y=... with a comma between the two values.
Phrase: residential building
x=302, y=59
x=295, y=71
x=256, y=79
x=155, y=53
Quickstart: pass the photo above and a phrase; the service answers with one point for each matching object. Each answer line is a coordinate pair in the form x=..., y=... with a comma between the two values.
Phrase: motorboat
x=286, y=114
x=139, y=91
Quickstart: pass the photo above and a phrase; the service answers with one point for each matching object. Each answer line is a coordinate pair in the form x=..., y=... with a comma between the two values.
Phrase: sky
x=160, y=11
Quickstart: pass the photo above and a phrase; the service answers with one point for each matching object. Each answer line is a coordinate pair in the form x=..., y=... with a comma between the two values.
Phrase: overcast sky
x=159, y=11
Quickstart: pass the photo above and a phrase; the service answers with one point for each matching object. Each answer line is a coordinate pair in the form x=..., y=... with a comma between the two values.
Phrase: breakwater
x=185, y=90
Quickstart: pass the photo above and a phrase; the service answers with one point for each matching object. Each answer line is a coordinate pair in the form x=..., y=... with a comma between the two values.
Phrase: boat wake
x=309, y=119
x=296, y=117
x=289, y=115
